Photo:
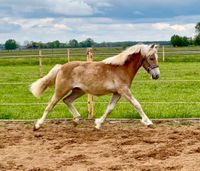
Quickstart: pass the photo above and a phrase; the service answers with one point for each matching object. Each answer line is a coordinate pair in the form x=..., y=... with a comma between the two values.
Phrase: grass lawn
x=175, y=95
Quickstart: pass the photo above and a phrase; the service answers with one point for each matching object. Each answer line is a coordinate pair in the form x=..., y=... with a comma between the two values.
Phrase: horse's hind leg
x=54, y=100
x=110, y=107
x=76, y=93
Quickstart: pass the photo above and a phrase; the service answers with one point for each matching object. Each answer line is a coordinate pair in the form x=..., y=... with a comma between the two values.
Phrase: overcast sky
x=101, y=20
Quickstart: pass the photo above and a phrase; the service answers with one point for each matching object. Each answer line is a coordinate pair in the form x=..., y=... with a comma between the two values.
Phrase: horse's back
x=91, y=77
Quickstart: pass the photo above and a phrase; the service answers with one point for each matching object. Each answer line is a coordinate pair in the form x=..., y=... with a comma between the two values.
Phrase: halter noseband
x=150, y=67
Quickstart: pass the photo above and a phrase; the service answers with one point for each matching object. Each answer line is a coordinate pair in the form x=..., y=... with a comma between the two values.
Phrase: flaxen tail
x=39, y=86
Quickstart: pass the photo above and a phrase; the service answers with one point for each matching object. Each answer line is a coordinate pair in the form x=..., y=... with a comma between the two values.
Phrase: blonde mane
x=121, y=58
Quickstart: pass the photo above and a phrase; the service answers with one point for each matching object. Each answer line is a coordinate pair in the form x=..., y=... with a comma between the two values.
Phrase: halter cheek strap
x=152, y=67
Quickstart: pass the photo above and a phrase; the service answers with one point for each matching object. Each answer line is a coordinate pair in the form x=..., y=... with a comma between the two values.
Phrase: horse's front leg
x=127, y=94
x=115, y=98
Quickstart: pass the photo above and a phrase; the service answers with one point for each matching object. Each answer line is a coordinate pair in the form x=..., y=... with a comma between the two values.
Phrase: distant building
x=2, y=47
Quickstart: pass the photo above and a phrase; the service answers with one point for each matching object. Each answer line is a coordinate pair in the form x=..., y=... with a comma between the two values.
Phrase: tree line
x=180, y=41
x=11, y=44
x=176, y=41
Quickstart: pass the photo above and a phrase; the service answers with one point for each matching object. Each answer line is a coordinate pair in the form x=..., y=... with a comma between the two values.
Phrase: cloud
x=7, y=27
x=61, y=27
x=46, y=8
x=138, y=13
x=103, y=20
x=129, y=9
x=100, y=29
x=69, y=7
x=175, y=27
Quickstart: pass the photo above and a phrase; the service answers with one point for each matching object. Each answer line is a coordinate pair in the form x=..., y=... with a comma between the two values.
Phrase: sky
x=101, y=20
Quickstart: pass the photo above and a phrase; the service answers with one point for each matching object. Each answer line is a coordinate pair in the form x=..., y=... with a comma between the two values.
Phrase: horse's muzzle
x=155, y=73
x=155, y=77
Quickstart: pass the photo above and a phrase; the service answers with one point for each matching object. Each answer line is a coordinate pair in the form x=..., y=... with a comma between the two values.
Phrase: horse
x=111, y=75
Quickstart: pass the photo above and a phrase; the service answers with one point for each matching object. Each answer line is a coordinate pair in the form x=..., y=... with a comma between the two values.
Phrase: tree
x=176, y=40
x=34, y=45
x=197, y=28
x=197, y=39
x=50, y=45
x=185, y=41
x=73, y=43
x=89, y=42
x=179, y=41
x=56, y=44
x=10, y=44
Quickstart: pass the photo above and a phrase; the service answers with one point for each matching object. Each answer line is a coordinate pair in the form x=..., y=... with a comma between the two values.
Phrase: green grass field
x=175, y=95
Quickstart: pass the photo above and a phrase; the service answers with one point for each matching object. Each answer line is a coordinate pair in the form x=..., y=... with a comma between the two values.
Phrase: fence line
x=35, y=104
x=50, y=55
x=18, y=83
x=68, y=54
x=97, y=54
x=90, y=101
x=137, y=81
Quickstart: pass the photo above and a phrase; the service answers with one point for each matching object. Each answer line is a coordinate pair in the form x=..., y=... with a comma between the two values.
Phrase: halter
x=150, y=67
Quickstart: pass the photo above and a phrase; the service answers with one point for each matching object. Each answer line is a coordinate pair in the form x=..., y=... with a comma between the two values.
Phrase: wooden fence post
x=68, y=55
x=90, y=104
x=40, y=63
x=163, y=51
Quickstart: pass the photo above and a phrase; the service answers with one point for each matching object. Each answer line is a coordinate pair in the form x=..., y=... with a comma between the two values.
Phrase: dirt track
x=119, y=146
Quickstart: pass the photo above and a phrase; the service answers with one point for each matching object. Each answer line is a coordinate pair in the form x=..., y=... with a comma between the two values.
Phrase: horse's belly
x=97, y=89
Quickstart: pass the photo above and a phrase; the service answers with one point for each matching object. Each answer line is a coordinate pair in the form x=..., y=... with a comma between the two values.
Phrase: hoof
x=97, y=127
x=35, y=128
x=75, y=124
x=75, y=121
x=97, y=123
x=151, y=126
x=147, y=122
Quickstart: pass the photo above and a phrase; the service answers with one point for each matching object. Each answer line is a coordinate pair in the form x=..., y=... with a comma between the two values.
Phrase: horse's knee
x=67, y=101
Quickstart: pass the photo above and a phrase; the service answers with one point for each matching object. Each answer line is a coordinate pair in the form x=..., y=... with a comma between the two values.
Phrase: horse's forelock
x=149, y=50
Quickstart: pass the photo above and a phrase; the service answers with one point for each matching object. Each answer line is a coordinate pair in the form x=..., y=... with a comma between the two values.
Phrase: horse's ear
x=152, y=46
x=156, y=46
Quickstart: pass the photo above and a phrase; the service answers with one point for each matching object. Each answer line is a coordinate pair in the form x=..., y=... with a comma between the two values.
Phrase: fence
x=89, y=57
x=67, y=54
x=164, y=53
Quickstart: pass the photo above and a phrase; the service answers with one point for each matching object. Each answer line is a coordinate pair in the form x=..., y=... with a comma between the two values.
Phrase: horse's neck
x=133, y=65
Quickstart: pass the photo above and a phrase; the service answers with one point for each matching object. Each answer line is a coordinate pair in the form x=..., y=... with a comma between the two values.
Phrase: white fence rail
x=69, y=53
x=35, y=104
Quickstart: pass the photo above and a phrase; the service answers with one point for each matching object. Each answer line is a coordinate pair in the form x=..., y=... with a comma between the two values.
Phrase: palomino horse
x=112, y=75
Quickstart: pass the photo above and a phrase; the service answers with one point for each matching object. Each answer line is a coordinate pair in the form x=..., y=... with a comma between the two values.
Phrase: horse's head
x=150, y=61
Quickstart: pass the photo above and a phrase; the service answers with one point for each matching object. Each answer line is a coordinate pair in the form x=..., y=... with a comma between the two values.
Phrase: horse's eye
x=151, y=59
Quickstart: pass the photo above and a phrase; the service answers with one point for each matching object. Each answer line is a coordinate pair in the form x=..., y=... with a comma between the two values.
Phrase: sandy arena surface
x=117, y=146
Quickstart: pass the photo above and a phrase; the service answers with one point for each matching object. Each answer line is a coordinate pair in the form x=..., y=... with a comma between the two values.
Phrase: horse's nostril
x=155, y=77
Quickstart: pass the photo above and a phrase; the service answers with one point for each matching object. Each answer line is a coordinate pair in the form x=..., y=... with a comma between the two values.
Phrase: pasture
x=175, y=95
